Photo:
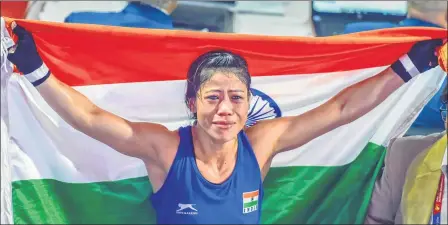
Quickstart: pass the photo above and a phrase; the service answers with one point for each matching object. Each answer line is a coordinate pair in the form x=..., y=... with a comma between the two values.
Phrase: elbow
x=347, y=113
x=339, y=112
x=351, y=112
x=85, y=119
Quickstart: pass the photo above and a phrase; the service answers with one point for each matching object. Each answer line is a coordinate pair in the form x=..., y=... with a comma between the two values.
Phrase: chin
x=224, y=135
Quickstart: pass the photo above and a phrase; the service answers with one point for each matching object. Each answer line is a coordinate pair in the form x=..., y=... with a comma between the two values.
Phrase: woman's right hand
x=26, y=58
x=135, y=139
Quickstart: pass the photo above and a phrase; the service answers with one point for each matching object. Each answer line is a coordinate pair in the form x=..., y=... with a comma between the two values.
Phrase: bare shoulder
x=262, y=133
x=164, y=147
x=268, y=131
x=263, y=138
x=161, y=140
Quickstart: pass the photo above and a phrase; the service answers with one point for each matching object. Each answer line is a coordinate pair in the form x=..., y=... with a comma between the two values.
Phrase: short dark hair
x=206, y=65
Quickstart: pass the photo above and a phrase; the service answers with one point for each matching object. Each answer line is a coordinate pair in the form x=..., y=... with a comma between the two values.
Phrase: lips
x=223, y=124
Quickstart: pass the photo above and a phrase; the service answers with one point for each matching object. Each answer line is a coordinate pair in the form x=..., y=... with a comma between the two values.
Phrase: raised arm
x=135, y=139
x=130, y=138
x=288, y=133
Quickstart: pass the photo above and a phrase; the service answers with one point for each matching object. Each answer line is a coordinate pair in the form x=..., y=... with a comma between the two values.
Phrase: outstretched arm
x=133, y=139
x=293, y=131
x=287, y=133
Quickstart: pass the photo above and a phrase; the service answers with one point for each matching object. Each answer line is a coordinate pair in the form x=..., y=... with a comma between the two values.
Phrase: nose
x=225, y=107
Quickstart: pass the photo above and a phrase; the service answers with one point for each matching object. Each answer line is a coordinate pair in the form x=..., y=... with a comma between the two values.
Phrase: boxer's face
x=222, y=106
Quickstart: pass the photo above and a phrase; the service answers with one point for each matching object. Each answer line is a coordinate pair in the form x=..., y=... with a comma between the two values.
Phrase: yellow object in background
x=443, y=57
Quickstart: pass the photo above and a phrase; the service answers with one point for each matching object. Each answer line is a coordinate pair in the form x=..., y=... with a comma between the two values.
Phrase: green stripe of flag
x=292, y=195
x=331, y=195
x=55, y=202
x=249, y=204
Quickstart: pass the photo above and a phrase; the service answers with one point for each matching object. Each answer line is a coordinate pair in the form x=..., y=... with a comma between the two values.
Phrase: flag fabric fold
x=59, y=175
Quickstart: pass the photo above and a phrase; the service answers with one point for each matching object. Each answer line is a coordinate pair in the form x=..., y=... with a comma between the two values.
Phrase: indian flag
x=59, y=175
x=250, y=201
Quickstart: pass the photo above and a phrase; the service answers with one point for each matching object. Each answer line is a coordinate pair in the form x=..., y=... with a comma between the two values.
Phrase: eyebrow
x=232, y=90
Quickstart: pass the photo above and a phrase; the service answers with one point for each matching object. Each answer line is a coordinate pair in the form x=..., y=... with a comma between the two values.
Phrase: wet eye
x=212, y=97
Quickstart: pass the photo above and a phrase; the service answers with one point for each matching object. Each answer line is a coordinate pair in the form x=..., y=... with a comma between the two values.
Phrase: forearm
x=292, y=132
x=78, y=111
x=72, y=106
x=358, y=99
x=137, y=139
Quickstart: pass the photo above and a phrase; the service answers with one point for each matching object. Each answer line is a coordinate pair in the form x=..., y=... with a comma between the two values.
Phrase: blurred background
x=302, y=18
x=285, y=18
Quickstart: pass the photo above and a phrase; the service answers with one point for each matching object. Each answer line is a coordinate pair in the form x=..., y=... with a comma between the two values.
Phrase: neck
x=436, y=18
x=213, y=152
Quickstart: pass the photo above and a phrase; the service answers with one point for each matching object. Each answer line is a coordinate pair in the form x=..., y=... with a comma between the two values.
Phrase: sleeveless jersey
x=186, y=197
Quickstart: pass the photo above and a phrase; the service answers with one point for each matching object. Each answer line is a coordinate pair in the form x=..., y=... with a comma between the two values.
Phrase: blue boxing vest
x=186, y=197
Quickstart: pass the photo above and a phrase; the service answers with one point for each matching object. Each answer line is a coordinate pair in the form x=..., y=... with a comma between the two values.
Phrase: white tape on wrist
x=38, y=74
x=409, y=65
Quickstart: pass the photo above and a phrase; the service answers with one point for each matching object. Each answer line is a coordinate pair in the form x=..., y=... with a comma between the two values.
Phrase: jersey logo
x=261, y=107
x=250, y=201
x=186, y=209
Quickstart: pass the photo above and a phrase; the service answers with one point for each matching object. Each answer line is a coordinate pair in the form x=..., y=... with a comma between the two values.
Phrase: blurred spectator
x=426, y=14
x=420, y=13
x=412, y=188
x=154, y=14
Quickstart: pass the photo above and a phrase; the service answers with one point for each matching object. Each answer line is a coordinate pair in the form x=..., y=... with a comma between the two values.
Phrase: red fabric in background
x=13, y=9
x=88, y=54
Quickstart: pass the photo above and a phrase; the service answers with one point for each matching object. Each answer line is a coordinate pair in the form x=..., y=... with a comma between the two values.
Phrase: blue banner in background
x=134, y=15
